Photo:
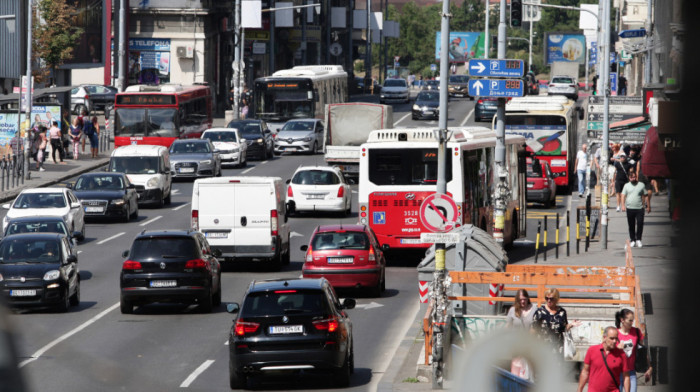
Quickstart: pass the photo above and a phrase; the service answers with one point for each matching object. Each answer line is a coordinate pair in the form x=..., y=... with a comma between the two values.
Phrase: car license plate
x=340, y=260
x=216, y=234
x=411, y=241
x=315, y=196
x=286, y=329
x=22, y=293
x=186, y=170
x=163, y=283
x=530, y=185
x=94, y=209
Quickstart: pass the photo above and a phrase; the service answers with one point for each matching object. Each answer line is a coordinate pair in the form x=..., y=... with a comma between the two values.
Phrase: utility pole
x=237, y=60
x=28, y=93
x=368, y=50
x=502, y=190
x=122, y=46
x=486, y=31
x=530, y=17
x=605, y=79
x=647, y=57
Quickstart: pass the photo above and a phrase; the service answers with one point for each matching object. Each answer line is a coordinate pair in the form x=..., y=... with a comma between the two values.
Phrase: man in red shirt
x=602, y=378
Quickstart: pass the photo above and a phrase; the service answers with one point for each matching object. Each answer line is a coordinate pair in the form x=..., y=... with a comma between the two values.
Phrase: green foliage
x=55, y=37
x=411, y=380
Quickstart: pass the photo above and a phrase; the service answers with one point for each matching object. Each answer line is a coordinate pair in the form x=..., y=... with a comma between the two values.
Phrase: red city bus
x=158, y=115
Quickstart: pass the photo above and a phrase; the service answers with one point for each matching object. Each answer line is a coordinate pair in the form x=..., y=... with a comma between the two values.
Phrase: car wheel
x=168, y=198
x=79, y=108
x=75, y=298
x=65, y=303
x=376, y=291
x=314, y=149
x=342, y=376
x=287, y=257
x=384, y=282
x=237, y=380
x=277, y=153
x=81, y=237
x=206, y=304
x=381, y=102
x=126, y=307
x=218, y=174
x=217, y=297
x=127, y=215
x=471, y=98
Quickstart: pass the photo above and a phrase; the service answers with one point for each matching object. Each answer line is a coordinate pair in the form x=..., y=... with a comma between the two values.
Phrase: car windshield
x=282, y=302
x=433, y=83
x=88, y=183
x=340, y=240
x=394, y=83
x=562, y=80
x=428, y=96
x=134, y=165
x=315, y=177
x=40, y=200
x=190, y=148
x=147, y=122
x=221, y=136
x=459, y=79
x=251, y=132
x=27, y=250
x=298, y=126
x=147, y=248
x=534, y=171
x=36, y=227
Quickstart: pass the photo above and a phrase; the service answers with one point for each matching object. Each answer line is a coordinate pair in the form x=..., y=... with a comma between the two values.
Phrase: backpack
x=88, y=129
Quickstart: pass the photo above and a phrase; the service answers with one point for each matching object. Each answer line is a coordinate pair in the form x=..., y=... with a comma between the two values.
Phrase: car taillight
x=195, y=219
x=196, y=263
x=245, y=327
x=290, y=193
x=341, y=191
x=87, y=97
x=132, y=265
x=273, y=222
x=309, y=255
x=372, y=257
x=551, y=85
x=330, y=325
x=572, y=85
x=481, y=101
x=546, y=182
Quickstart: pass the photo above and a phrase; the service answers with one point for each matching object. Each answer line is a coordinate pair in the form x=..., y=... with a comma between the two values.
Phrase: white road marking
x=80, y=251
x=65, y=336
x=178, y=207
x=111, y=238
x=369, y=305
x=226, y=342
x=467, y=118
x=247, y=170
x=196, y=373
x=355, y=192
x=264, y=162
x=150, y=221
x=403, y=118
x=174, y=191
x=295, y=234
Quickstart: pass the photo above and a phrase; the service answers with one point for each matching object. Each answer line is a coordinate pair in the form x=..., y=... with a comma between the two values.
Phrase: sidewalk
x=653, y=263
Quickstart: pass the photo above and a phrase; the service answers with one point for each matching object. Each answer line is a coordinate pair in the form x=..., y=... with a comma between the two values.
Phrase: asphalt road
x=163, y=347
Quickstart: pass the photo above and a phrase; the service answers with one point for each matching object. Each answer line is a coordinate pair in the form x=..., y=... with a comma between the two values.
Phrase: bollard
x=588, y=221
x=578, y=231
x=544, y=249
x=568, y=238
x=537, y=242
x=556, y=240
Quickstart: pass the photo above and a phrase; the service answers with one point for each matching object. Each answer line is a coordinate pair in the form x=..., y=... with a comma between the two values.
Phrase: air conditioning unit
x=182, y=52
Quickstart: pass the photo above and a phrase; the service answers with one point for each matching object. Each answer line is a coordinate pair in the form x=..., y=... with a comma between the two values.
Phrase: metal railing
x=12, y=169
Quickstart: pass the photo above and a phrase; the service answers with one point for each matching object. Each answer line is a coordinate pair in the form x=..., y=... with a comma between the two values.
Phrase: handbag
x=641, y=361
x=569, y=347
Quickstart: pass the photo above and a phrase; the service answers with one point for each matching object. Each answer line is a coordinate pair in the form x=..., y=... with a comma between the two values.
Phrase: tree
x=55, y=37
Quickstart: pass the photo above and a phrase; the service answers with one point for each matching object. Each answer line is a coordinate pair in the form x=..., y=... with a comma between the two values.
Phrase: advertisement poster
x=549, y=139
x=566, y=47
x=463, y=46
x=40, y=115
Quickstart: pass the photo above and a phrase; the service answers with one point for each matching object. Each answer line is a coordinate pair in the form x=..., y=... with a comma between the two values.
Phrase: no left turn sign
x=438, y=213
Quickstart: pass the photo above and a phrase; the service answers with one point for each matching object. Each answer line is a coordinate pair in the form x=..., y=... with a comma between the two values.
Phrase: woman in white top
x=522, y=312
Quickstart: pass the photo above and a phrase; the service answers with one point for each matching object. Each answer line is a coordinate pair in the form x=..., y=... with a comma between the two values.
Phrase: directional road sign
x=496, y=68
x=438, y=213
x=496, y=88
x=613, y=82
x=632, y=33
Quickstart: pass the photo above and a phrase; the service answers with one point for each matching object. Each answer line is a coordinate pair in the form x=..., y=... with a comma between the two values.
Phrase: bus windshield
x=416, y=166
x=276, y=105
x=146, y=122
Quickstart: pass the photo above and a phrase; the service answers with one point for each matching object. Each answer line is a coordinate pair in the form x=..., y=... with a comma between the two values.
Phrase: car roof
x=102, y=174
x=303, y=120
x=339, y=227
x=45, y=190
x=281, y=284
x=166, y=233
x=181, y=141
x=326, y=168
x=133, y=150
x=34, y=236
x=37, y=218
x=221, y=130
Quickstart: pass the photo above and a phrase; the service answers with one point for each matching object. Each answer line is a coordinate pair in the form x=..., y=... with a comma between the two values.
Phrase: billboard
x=565, y=47
x=89, y=15
x=40, y=114
x=463, y=46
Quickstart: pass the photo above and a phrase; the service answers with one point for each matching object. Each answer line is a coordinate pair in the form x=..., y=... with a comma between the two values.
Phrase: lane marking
x=467, y=118
x=403, y=118
x=247, y=170
x=174, y=191
x=264, y=162
x=150, y=221
x=65, y=336
x=111, y=238
x=196, y=373
x=80, y=251
x=178, y=207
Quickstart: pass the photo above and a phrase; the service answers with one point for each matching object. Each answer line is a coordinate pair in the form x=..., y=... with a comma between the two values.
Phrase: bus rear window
x=405, y=166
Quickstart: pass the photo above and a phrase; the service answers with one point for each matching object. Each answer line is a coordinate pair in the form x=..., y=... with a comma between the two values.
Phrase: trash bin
x=477, y=251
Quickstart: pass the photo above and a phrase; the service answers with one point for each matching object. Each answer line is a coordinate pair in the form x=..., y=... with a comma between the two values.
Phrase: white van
x=243, y=217
x=148, y=168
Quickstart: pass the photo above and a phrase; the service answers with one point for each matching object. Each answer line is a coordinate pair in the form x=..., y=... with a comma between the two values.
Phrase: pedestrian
x=244, y=109
x=581, y=164
x=595, y=84
x=634, y=197
x=94, y=135
x=522, y=312
x=56, y=142
x=40, y=143
x=623, y=85
x=614, y=156
x=622, y=168
x=83, y=120
x=636, y=161
x=630, y=339
x=76, y=132
x=550, y=321
x=604, y=365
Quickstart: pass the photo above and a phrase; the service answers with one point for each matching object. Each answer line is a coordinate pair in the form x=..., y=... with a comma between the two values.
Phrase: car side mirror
x=216, y=252
x=71, y=259
x=125, y=254
x=288, y=181
x=75, y=205
x=242, y=140
x=351, y=181
x=6, y=206
x=348, y=303
x=303, y=248
x=233, y=308
x=76, y=234
x=131, y=186
x=69, y=186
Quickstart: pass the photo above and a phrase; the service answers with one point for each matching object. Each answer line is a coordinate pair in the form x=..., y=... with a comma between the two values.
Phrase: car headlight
x=205, y=162
x=152, y=183
x=52, y=275
x=117, y=202
x=307, y=139
x=235, y=149
x=259, y=141
x=1, y=278
x=416, y=107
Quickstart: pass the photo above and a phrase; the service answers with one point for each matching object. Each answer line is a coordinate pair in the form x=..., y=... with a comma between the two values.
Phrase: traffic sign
x=433, y=67
x=496, y=68
x=613, y=82
x=632, y=33
x=496, y=88
x=438, y=213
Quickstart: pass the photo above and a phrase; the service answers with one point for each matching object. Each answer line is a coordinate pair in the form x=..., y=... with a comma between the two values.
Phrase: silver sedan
x=193, y=158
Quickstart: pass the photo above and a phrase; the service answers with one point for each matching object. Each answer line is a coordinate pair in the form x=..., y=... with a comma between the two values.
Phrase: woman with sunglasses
x=550, y=321
x=630, y=337
x=522, y=311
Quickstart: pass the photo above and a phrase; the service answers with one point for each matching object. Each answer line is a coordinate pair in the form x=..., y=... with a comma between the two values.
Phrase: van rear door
x=253, y=205
x=217, y=215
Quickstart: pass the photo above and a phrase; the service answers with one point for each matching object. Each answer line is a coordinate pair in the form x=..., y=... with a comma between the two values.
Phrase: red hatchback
x=541, y=187
x=349, y=256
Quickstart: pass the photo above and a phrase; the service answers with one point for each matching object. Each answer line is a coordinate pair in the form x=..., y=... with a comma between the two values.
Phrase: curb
x=402, y=354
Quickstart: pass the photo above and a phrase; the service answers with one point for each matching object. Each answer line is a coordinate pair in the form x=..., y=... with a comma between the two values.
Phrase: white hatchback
x=48, y=202
x=229, y=145
x=318, y=188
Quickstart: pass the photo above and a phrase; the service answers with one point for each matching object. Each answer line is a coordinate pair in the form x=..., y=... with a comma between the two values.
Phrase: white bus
x=299, y=92
x=398, y=170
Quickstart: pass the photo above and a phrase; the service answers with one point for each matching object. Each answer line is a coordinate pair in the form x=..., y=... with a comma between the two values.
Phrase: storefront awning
x=654, y=162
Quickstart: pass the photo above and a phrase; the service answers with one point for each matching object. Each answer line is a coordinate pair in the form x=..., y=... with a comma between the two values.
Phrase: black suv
x=39, y=269
x=257, y=136
x=170, y=266
x=290, y=325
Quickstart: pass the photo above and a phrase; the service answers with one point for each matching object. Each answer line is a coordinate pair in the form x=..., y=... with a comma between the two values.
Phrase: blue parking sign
x=613, y=82
x=379, y=218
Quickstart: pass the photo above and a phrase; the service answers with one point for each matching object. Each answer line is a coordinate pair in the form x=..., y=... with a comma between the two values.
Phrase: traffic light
x=516, y=13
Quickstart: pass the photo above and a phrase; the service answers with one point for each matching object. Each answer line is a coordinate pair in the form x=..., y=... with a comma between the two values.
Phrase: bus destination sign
x=145, y=99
